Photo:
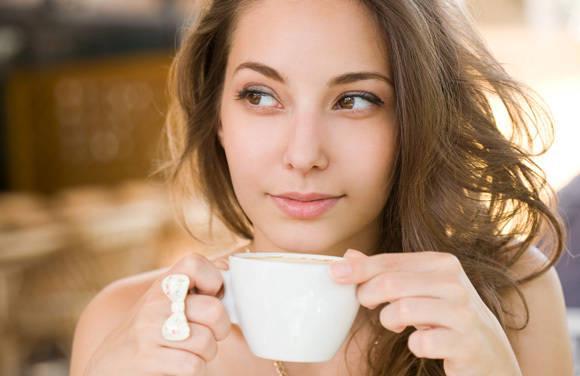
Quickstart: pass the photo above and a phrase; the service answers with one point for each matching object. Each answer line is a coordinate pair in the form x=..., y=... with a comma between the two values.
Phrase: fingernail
x=223, y=265
x=353, y=252
x=341, y=269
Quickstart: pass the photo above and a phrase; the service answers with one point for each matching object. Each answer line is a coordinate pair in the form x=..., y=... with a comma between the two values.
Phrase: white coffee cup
x=289, y=308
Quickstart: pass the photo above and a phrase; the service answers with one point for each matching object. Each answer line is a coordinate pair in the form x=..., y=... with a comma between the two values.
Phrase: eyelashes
x=252, y=95
x=255, y=97
x=365, y=95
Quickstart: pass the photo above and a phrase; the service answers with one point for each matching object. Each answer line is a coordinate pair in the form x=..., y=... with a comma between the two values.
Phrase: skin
x=303, y=135
x=431, y=292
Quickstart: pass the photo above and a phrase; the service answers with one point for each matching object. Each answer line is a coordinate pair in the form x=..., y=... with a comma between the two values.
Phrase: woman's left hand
x=430, y=291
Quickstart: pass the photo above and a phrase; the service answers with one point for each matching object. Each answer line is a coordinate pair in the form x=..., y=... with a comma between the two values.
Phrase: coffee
x=294, y=260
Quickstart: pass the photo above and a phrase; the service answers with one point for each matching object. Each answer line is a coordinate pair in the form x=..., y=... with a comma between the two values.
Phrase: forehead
x=305, y=36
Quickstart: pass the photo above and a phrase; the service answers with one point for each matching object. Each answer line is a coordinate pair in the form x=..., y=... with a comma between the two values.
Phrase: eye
x=257, y=98
x=359, y=101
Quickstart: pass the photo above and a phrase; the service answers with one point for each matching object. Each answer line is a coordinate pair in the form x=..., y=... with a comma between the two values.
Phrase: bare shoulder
x=543, y=347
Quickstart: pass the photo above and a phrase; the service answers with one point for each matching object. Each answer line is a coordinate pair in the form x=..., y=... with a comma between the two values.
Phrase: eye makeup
x=254, y=97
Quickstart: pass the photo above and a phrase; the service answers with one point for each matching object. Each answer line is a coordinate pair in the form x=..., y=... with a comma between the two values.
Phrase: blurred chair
x=568, y=266
x=29, y=235
x=52, y=264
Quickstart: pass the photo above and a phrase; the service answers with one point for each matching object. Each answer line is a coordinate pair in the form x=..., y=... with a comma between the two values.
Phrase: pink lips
x=305, y=206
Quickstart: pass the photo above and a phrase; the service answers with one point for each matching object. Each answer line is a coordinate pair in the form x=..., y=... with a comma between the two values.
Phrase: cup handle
x=228, y=298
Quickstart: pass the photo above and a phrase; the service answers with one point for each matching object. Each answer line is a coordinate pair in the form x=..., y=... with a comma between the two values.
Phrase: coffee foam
x=292, y=260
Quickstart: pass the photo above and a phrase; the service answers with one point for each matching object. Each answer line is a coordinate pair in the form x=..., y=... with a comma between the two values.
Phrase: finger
x=420, y=313
x=353, y=253
x=166, y=361
x=364, y=268
x=388, y=287
x=210, y=312
x=204, y=277
x=201, y=342
x=222, y=264
x=437, y=343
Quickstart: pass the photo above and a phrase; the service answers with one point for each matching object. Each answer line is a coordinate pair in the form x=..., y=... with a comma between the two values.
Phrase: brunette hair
x=460, y=185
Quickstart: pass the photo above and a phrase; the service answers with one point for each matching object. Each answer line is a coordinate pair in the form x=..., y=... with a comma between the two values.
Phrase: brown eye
x=346, y=102
x=254, y=98
x=359, y=101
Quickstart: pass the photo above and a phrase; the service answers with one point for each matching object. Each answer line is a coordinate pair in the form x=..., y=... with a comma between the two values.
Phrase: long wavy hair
x=461, y=184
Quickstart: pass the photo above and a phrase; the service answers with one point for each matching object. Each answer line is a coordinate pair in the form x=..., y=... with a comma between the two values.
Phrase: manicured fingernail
x=341, y=269
x=353, y=253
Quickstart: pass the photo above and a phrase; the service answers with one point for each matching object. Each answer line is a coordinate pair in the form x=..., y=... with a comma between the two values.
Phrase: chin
x=294, y=240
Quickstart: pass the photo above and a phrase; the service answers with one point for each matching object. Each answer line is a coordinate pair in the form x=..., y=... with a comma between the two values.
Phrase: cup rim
x=261, y=255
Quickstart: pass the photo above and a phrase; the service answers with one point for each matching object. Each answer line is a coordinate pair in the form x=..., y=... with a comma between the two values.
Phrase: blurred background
x=82, y=103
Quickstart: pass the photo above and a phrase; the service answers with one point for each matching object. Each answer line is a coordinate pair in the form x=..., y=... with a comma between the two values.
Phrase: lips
x=306, y=196
x=305, y=206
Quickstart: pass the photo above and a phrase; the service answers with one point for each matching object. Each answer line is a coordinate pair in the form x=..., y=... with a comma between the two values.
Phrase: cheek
x=247, y=148
x=371, y=170
x=369, y=161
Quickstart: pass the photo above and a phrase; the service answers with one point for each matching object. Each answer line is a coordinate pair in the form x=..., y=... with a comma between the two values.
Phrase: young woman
x=364, y=129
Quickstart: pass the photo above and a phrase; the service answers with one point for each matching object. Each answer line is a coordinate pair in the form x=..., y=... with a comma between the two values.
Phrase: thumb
x=222, y=264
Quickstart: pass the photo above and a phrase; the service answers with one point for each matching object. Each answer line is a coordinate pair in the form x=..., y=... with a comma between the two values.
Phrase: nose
x=305, y=149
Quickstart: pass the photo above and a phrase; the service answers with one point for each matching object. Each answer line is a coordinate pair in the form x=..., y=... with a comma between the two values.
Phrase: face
x=308, y=107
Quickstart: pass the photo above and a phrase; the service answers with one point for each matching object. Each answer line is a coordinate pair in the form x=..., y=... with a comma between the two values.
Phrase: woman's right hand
x=136, y=347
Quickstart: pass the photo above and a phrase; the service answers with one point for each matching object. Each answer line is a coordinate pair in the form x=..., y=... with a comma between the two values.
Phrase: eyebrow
x=345, y=78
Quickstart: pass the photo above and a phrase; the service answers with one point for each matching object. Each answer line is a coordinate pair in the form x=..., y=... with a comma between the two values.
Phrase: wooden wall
x=85, y=122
